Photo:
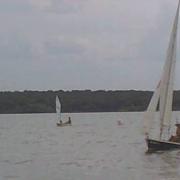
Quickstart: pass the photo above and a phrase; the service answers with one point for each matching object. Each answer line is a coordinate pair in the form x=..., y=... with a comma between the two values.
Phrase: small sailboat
x=162, y=99
x=58, y=112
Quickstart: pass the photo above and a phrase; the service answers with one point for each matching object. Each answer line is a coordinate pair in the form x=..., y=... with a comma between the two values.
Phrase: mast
x=167, y=81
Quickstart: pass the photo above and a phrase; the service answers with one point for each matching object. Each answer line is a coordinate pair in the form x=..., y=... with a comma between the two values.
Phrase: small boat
x=162, y=99
x=63, y=124
x=58, y=112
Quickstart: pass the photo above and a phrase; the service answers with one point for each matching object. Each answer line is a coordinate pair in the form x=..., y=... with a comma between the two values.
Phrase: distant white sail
x=58, y=108
x=167, y=81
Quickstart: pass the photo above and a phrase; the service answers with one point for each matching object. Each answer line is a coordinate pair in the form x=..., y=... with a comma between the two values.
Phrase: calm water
x=94, y=148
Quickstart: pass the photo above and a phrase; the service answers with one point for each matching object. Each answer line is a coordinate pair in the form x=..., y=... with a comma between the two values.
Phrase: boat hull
x=62, y=125
x=155, y=145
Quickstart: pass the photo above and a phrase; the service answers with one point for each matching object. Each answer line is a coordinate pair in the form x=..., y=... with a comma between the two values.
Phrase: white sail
x=167, y=80
x=58, y=108
x=150, y=113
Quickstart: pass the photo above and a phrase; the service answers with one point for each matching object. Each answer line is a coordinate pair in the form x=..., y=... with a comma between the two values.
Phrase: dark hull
x=62, y=125
x=155, y=145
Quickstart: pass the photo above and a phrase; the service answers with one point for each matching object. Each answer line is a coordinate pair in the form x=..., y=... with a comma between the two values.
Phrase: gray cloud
x=62, y=48
x=59, y=6
x=15, y=6
x=64, y=6
x=15, y=47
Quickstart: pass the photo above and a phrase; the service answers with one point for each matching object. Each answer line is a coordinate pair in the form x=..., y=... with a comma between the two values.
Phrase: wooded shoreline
x=78, y=101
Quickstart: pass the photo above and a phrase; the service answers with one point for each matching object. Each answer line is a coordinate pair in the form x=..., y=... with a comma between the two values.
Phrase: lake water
x=95, y=147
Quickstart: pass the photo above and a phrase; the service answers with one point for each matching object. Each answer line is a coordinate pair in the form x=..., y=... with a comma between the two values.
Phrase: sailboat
x=162, y=99
x=58, y=112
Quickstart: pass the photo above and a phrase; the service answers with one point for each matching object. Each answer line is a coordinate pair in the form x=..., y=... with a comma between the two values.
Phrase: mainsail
x=164, y=91
x=58, y=108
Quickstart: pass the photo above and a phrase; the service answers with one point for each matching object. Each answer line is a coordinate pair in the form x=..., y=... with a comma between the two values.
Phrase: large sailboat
x=162, y=100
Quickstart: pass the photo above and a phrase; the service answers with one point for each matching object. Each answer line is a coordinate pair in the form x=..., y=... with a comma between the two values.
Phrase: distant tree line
x=77, y=101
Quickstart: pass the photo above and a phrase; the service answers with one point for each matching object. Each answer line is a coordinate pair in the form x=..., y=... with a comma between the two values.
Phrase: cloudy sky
x=84, y=44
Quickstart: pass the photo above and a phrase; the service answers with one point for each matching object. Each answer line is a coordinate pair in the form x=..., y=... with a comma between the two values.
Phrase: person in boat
x=176, y=138
x=60, y=121
x=69, y=120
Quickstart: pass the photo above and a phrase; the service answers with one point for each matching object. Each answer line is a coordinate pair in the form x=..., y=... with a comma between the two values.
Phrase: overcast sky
x=84, y=44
